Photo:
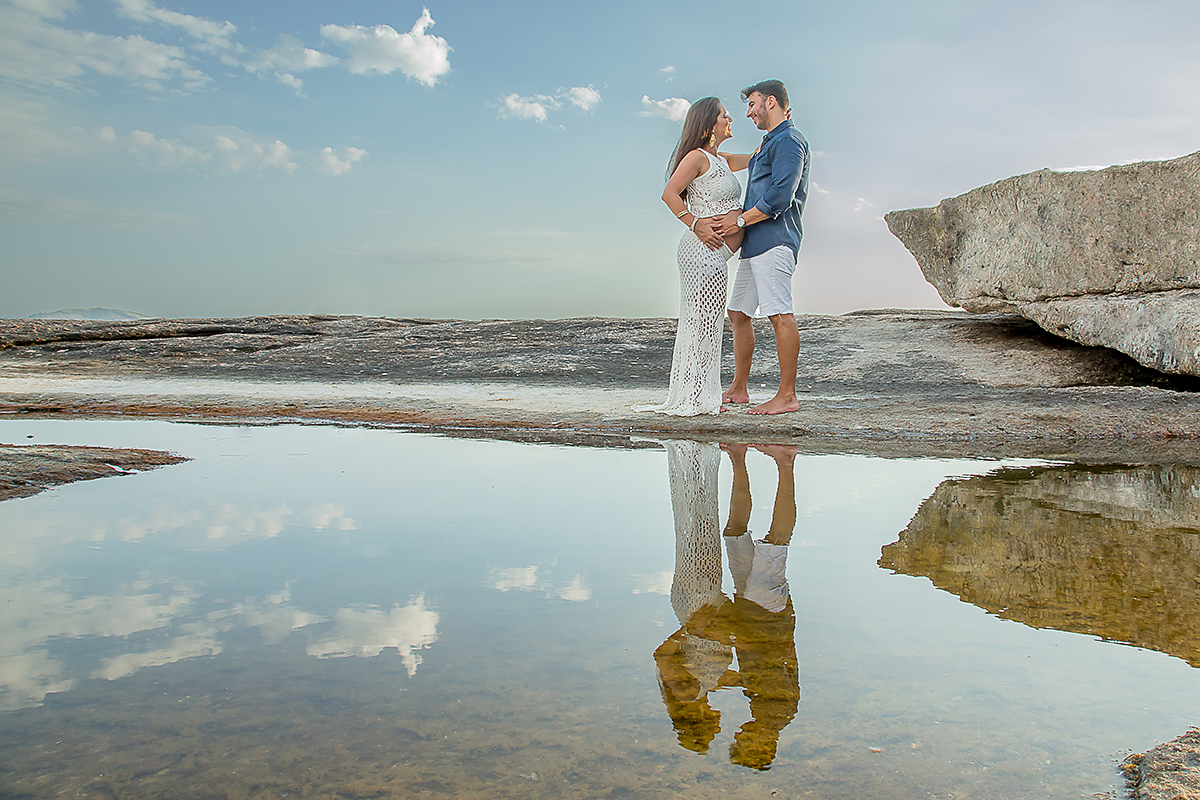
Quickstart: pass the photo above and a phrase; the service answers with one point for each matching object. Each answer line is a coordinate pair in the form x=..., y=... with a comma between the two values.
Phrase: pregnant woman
x=700, y=189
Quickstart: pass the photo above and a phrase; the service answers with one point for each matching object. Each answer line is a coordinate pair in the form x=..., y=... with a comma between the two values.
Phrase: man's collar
x=783, y=126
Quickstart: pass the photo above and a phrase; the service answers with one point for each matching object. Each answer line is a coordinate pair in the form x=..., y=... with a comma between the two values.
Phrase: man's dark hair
x=768, y=89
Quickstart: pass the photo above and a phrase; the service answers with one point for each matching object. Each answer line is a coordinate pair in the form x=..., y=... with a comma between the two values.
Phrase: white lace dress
x=703, y=277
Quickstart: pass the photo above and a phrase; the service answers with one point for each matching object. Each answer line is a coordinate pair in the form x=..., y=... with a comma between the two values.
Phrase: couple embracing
x=704, y=194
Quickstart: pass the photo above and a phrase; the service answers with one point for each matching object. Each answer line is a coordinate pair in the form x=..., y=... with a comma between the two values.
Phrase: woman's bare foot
x=778, y=405
x=734, y=448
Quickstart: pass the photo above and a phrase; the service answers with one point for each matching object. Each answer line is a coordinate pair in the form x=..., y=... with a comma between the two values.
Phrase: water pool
x=326, y=612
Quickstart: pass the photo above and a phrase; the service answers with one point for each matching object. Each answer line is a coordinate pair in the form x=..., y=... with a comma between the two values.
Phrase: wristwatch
x=741, y=223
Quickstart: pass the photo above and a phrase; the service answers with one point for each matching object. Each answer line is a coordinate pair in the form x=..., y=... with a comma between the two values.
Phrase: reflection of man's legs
x=783, y=517
x=766, y=653
x=762, y=624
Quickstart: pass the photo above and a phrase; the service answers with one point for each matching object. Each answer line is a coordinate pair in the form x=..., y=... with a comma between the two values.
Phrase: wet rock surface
x=883, y=382
x=1170, y=771
x=1108, y=257
x=26, y=470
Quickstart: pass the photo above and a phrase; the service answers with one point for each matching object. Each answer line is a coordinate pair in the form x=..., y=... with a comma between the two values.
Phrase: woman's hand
x=707, y=230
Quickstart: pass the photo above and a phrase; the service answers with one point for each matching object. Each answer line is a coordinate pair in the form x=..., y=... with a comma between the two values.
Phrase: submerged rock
x=1169, y=771
x=1108, y=257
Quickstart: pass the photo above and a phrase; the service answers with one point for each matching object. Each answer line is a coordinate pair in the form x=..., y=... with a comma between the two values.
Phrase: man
x=776, y=189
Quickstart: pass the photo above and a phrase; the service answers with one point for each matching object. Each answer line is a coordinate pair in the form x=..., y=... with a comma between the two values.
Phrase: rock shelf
x=890, y=382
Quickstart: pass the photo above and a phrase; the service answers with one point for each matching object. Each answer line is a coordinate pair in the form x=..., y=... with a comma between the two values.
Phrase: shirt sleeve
x=786, y=168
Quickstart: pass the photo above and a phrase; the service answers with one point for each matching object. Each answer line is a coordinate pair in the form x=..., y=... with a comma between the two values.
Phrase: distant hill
x=99, y=314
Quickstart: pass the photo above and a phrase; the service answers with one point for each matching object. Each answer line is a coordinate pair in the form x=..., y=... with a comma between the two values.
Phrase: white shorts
x=763, y=283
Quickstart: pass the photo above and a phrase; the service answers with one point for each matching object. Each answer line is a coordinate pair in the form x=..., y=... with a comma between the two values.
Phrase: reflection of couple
x=757, y=625
x=704, y=194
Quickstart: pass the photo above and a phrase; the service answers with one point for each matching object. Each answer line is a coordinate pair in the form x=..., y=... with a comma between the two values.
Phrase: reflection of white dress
x=703, y=276
x=697, y=583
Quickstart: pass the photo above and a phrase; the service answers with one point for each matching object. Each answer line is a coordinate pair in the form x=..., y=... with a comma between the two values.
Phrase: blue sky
x=468, y=159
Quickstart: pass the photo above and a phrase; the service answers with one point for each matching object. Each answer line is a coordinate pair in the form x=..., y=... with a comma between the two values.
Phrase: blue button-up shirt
x=778, y=187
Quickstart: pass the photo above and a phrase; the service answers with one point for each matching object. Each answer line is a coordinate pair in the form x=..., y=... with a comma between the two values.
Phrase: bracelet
x=680, y=214
x=692, y=227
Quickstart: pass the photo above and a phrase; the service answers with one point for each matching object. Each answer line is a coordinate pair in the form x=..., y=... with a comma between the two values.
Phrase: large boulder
x=1106, y=257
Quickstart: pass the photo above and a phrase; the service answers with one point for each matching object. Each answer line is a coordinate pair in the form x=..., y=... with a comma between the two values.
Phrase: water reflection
x=757, y=626
x=1108, y=551
x=153, y=622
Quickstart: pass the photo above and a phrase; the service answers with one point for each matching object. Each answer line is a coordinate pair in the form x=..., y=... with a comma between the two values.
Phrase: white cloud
x=862, y=204
x=275, y=616
x=33, y=614
x=336, y=163
x=36, y=52
x=535, y=108
x=667, y=70
x=217, y=150
x=364, y=632
x=195, y=644
x=214, y=36
x=520, y=578
x=288, y=79
x=538, y=106
x=169, y=153
x=55, y=9
x=381, y=49
x=576, y=591
x=816, y=188
x=586, y=97
x=289, y=56
x=654, y=583
x=331, y=515
x=673, y=108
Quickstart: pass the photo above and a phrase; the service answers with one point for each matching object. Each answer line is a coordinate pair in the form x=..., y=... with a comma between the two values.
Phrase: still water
x=331, y=613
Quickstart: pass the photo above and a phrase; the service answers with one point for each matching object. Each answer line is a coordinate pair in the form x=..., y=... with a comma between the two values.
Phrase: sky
x=178, y=158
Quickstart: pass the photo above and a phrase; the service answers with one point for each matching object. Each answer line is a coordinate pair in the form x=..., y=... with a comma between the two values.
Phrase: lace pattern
x=703, y=280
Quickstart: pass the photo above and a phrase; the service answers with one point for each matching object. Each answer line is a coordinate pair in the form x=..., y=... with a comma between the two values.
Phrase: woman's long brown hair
x=697, y=127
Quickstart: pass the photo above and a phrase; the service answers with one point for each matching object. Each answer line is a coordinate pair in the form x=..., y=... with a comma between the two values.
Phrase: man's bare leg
x=787, y=346
x=783, y=517
x=743, y=354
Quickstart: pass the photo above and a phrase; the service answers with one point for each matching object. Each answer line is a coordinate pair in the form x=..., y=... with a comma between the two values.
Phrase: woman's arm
x=693, y=165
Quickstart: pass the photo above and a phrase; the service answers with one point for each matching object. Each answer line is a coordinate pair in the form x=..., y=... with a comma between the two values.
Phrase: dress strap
x=713, y=161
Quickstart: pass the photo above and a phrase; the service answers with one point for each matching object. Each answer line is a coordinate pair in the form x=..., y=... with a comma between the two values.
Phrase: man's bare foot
x=777, y=405
x=736, y=396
